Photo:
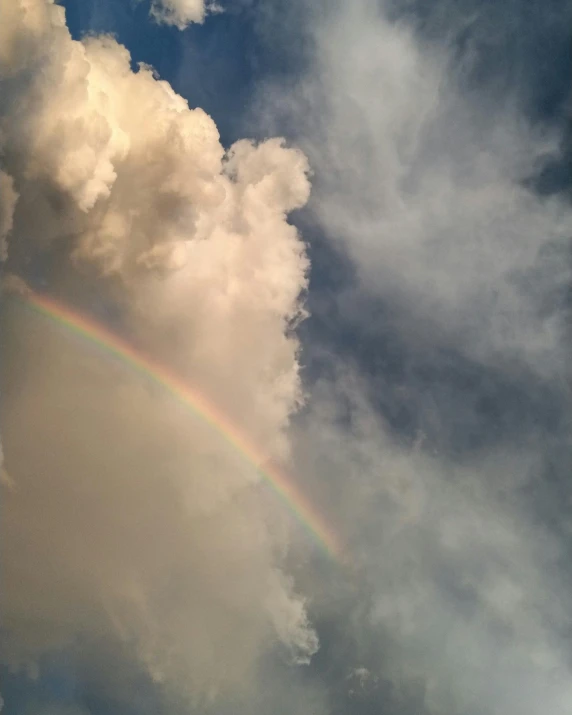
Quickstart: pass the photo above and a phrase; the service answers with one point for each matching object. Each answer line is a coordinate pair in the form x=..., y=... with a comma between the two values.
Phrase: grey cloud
x=445, y=461
x=424, y=186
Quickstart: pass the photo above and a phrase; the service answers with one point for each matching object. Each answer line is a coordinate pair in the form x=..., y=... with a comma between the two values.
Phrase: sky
x=343, y=231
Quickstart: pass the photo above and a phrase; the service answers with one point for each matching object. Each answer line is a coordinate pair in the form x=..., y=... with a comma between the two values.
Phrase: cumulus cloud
x=179, y=13
x=131, y=520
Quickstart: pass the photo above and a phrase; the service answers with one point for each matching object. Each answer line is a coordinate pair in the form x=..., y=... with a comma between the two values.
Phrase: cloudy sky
x=347, y=226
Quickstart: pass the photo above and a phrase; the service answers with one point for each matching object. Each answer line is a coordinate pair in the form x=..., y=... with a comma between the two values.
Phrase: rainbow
x=197, y=403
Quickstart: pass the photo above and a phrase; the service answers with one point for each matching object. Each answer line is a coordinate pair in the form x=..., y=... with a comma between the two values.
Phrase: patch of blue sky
x=61, y=686
x=217, y=65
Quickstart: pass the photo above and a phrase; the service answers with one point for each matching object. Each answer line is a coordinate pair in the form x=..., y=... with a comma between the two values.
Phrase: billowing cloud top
x=127, y=517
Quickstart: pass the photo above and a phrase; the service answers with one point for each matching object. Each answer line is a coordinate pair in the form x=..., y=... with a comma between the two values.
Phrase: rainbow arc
x=196, y=402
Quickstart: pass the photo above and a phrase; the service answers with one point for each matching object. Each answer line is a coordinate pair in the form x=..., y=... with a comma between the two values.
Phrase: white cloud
x=130, y=519
x=179, y=13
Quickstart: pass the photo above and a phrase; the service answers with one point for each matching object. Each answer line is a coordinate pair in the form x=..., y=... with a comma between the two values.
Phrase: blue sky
x=433, y=357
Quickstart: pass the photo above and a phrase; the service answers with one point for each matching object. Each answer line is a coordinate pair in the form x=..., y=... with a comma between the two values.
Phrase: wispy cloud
x=436, y=454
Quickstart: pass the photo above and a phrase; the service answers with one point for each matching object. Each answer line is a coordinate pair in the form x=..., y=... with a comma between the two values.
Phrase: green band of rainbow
x=95, y=333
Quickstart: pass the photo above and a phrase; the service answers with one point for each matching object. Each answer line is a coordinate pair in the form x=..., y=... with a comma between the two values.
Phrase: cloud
x=179, y=13
x=457, y=593
x=424, y=183
x=9, y=198
x=39, y=708
x=130, y=520
x=435, y=432
x=437, y=428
